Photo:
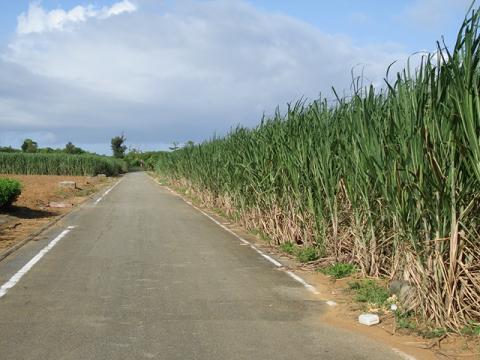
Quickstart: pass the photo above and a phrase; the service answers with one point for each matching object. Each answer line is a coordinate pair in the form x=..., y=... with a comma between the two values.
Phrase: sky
x=164, y=71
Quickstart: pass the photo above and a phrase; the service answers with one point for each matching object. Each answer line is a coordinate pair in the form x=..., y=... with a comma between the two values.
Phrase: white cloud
x=178, y=73
x=119, y=8
x=37, y=20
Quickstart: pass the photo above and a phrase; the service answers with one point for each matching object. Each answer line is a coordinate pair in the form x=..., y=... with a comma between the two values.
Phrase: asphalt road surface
x=145, y=276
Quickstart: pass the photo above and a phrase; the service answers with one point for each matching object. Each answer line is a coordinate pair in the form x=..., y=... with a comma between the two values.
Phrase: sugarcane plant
x=387, y=179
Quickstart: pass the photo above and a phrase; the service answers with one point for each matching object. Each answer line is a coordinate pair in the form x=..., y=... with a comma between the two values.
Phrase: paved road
x=145, y=276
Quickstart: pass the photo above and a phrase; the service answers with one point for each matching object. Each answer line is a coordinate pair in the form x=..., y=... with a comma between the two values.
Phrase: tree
x=72, y=149
x=118, y=146
x=175, y=146
x=69, y=148
x=29, y=146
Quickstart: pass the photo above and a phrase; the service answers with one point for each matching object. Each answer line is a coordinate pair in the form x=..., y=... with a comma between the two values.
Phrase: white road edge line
x=16, y=278
x=309, y=287
x=106, y=192
x=269, y=258
x=303, y=282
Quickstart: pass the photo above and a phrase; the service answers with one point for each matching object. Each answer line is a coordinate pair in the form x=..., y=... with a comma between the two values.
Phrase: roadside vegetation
x=9, y=191
x=387, y=180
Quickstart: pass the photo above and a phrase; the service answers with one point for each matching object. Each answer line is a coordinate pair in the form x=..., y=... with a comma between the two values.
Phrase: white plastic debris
x=368, y=319
x=394, y=307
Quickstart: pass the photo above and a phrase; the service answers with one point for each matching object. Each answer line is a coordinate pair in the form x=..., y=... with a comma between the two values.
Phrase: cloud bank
x=167, y=73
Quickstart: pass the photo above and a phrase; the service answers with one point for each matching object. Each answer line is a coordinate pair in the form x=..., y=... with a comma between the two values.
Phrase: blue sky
x=164, y=71
x=416, y=25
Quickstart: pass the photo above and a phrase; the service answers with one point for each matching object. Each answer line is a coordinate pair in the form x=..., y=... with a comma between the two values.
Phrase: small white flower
x=393, y=307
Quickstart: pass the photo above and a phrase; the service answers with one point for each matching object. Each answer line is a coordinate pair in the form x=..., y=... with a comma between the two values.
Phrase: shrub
x=9, y=191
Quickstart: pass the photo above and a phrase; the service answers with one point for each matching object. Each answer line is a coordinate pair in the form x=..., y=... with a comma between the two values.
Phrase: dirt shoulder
x=346, y=311
x=36, y=206
x=345, y=315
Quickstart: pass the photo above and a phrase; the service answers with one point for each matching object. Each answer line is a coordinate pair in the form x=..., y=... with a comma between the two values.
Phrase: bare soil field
x=33, y=209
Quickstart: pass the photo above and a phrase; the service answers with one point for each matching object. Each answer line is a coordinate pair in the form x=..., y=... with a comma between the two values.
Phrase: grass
x=307, y=254
x=472, y=329
x=339, y=270
x=288, y=248
x=60, y=164
x=9, y=191
x=386, y=176
x=368, y=291
x=303, y=254
x=406, y=324
x=404, y=320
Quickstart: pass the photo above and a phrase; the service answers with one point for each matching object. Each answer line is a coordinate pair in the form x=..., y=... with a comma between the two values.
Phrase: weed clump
x=370, y=292
x=307, y=254
x=288, y=248
x=303, y=254
x=339, y=270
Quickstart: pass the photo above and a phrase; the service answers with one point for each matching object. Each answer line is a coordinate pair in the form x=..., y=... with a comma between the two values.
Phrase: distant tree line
x=135, y=158
x=31, y=146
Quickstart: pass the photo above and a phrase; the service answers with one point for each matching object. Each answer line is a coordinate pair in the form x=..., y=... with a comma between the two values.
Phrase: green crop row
x=60, y=164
